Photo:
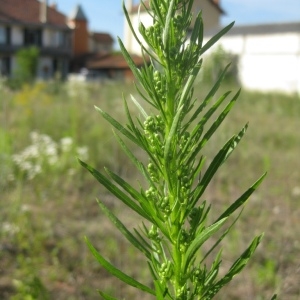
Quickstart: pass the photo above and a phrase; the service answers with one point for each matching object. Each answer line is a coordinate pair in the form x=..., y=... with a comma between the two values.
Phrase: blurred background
x=60, y=58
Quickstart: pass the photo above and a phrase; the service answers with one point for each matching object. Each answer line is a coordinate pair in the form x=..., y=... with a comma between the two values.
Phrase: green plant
x=173, y=133
x=216, y=62
x=27, y=63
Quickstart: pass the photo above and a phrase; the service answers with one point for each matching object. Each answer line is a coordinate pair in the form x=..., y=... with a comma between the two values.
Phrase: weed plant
x=43, y=220
x=173, y=132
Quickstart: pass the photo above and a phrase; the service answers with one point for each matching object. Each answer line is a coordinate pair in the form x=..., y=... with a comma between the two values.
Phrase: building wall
x=16, y=35
x=267, y=62
x=210, y=15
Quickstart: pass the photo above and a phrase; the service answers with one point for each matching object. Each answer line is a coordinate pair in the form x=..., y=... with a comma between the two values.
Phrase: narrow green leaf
x=136, y=162
x=130, y=62
x=147, y=207
x=237, y=267
x=116, y=272
x=142, y=240
x=218, y=122
x=215, y=38
x=242, y=199
x=159, y=293
x=237, y=139
x=221, y=237
x=209, y=96
x=189, y=84
x=166, y=31
x=171, y=135
x=115, y=190
x=197, y=30
x=210, y=172
x=138, y=105
x=106, y=296
x=134, y=34
x=199, y=241
x=118, y=126
x=126, y=233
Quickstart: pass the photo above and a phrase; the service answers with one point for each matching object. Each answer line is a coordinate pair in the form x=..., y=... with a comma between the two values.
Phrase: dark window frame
x=33, y=37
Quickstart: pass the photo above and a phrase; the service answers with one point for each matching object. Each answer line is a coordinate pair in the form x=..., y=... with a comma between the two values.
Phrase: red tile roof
x=101, y=37
x=215, y=3
x=113, y=61
x=28, y=12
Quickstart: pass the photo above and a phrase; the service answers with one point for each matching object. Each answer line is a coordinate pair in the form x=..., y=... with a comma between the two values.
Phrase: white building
x=268, y=55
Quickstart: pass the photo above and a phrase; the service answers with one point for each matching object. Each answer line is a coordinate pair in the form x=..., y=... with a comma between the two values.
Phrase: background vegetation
x=48, y=202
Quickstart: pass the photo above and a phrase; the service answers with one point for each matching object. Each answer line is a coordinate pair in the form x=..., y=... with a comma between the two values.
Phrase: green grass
x=43, y=221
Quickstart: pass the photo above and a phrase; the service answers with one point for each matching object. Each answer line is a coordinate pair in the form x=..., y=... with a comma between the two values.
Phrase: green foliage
x=215, y=64
x=27, y=63
x=30, y=289
x=173, y=134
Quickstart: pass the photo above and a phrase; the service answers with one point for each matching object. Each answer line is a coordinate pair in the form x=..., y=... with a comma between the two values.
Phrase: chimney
x=54, y=5
x=43, y=11
x=129, y=5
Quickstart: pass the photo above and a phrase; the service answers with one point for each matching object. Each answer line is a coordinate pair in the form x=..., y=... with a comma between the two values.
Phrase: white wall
x=267, y=62
x=17, y=35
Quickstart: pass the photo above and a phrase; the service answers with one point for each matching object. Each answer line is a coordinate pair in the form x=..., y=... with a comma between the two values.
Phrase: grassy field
x=48, y=204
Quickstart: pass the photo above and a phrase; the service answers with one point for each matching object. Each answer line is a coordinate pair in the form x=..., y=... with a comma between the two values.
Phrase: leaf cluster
x=173, y=134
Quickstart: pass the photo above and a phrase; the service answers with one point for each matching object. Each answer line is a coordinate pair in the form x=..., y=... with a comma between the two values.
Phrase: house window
x=4, y=66
x=60, y=38
x=4, y=35
x=33, y=37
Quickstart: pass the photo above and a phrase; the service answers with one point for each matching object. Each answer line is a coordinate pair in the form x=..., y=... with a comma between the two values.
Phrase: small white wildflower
x=10, y=228
x=25, y=208
x=52, y=160
x=25, y=165
x=51, y=150
x=66, y=144
x=31, y=152
x=71, y=172
x=296, y=191
x=82, y=152
x=34, y=136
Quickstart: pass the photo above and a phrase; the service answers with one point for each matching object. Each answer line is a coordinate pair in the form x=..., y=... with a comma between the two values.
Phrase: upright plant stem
x=173, y=201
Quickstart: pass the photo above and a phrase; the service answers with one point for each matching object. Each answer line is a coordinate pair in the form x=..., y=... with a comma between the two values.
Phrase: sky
x=107, y=15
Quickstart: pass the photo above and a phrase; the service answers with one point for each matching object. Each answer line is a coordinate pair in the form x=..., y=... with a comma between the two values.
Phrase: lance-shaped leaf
x=118, y=126
x=210, y=172
x=216, y=124
x=215, y=38
x=199, y=241
x=221, y=237
x=242, y=199
x=209, y=96
x=136, y=162
x=115, y=190
x=236, y=268
x=159, y=293
x=118, y=273
x=144, y=203
x=126, y=233
x=219, y=159
x=106, y=296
